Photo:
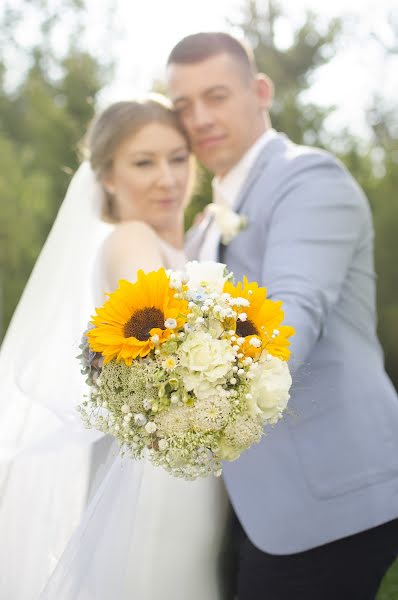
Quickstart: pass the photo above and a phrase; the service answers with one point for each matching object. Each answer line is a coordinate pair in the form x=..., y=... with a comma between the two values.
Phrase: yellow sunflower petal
x=263, y=318
x=122, y=326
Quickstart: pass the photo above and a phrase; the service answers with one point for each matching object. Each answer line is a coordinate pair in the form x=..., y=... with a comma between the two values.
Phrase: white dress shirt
x=226, y=191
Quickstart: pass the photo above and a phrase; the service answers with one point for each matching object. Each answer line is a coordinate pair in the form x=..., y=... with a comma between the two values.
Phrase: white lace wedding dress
x=180, y=528
x=146, y=535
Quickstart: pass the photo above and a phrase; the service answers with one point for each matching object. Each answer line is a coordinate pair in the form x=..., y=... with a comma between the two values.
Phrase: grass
x=389, y=586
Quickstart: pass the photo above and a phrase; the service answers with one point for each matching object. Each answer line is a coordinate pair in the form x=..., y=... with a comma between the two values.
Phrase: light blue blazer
x=330, y=467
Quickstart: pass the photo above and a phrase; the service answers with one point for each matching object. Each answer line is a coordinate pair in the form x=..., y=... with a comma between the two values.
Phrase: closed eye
x=217, y=97
x=142, y=163
x=180, y=159
x=181, y=108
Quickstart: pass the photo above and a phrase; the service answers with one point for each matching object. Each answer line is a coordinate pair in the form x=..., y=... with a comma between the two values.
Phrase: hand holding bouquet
x=188, y=366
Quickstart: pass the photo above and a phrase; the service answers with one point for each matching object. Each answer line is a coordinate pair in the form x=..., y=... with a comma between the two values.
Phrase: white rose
x=228, y=222
x=202, y=388
x=207, y=274
x=209, y=358
x=216, y=328
x=270, y=390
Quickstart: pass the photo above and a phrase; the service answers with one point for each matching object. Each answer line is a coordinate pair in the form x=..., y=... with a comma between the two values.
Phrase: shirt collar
x=226, y=189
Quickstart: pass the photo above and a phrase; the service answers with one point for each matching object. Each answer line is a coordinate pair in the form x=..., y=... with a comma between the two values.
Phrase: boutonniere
x=227, y=221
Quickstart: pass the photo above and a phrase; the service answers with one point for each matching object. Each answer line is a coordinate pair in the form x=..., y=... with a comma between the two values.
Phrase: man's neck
x=221, y=176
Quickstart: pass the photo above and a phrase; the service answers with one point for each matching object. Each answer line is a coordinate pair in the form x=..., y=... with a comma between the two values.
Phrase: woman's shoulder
x=132, y=230
x=131, y=235
x=132, y=245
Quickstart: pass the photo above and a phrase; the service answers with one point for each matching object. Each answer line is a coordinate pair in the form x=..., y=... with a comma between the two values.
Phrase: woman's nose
x=166, y=176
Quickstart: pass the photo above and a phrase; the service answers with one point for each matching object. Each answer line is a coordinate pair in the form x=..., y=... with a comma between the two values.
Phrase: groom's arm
x=314, y=232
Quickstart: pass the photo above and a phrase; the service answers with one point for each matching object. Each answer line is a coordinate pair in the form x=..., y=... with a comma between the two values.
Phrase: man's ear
x=264, y=90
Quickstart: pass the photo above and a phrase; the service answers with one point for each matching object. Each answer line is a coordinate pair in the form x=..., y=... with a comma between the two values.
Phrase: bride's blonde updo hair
x=114, y=125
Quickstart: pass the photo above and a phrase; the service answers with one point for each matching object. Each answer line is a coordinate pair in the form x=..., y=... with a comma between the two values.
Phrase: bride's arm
x=132, y=245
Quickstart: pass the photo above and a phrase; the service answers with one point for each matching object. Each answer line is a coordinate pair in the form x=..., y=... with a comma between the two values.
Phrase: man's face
x=221, y=108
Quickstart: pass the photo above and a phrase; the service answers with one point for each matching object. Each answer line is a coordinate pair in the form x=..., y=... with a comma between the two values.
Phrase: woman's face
x=149, y=177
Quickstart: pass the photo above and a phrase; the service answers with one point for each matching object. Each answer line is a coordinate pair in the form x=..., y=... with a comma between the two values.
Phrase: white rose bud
x=150, y=427
x=140, y=419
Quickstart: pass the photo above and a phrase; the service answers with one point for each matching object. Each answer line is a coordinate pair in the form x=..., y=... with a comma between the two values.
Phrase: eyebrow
x=145, y=153
x=206, y=92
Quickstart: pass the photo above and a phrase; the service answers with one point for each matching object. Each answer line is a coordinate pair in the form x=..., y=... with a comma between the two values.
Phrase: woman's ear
x=107, y=181
x=108, y=186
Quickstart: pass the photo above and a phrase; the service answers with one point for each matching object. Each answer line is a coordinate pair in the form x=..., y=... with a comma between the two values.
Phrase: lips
x=210, y=141
x=166, y=201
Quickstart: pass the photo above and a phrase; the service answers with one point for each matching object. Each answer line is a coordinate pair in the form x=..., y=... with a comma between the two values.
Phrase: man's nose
x=201, y=117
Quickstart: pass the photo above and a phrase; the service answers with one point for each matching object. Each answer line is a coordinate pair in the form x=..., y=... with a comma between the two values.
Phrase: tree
x=42, y=120
x=292, y=68
x=384, y=119
x=25, y=196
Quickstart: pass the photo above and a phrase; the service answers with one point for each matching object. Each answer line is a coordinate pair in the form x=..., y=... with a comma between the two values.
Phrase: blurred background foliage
x=45, y=114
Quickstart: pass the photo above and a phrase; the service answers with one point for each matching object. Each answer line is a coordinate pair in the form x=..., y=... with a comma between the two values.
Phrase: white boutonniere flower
x=228, y=222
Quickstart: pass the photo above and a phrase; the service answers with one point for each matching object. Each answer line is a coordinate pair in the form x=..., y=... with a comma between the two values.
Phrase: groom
x=318, y=497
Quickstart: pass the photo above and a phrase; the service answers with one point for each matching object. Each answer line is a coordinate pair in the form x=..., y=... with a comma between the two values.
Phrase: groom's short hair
x=201, y=46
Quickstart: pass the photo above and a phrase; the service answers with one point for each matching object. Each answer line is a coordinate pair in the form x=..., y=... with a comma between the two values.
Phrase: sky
x=144, y=32
x=149, y=29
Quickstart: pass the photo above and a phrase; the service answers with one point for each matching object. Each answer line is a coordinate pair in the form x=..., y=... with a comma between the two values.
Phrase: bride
x=138, y=532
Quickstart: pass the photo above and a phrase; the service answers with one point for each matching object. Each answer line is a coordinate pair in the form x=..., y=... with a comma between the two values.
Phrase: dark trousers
x=348, y=569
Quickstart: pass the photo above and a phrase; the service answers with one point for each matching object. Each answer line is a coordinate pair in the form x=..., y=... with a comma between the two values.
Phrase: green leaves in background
x=43, y=118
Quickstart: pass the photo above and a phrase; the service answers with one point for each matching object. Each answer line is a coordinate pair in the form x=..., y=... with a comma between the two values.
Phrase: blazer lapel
x=195, y=237
x=274, y=145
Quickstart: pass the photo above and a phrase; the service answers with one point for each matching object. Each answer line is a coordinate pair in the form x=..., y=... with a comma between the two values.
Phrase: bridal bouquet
x=187, y=367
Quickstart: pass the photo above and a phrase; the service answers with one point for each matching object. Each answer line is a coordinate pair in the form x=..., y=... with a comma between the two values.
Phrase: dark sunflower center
x=245, y=328
x=142, y=321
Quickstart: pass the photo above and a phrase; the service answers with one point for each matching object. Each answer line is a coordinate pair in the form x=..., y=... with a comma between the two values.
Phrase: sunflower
x=260, y=325
x=136, y=317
